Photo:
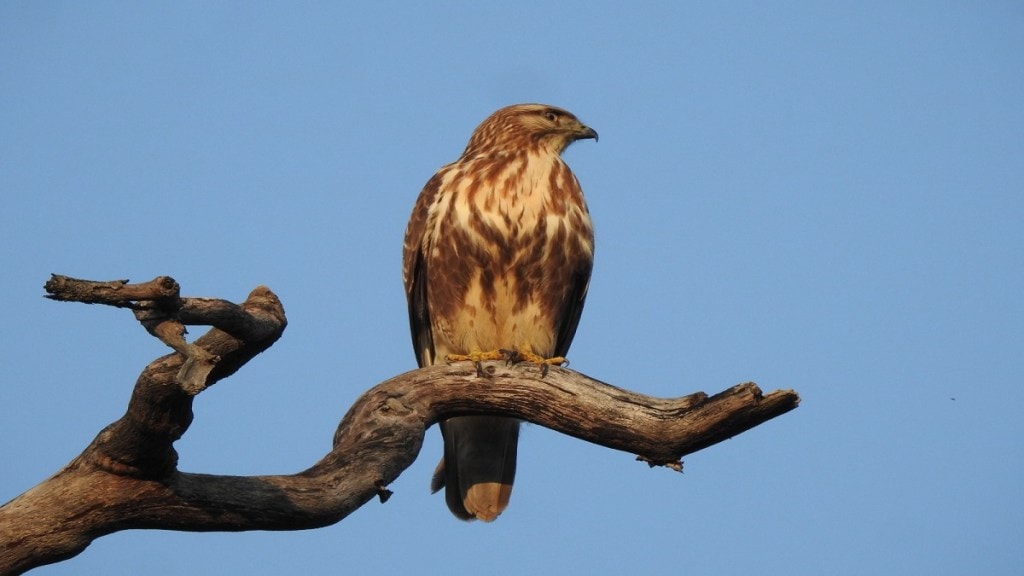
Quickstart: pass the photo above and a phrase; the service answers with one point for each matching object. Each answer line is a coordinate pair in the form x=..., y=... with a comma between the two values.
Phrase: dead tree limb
x=128, y=478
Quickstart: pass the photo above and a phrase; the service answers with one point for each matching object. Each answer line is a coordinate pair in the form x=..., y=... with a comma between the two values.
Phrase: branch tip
x=382, y=491
x=676, y=465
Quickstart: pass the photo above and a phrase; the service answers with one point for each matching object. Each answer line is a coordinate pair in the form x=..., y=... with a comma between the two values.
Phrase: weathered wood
x=127, y=478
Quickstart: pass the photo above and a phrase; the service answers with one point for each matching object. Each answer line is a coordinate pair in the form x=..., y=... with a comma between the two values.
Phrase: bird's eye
x=551, y=116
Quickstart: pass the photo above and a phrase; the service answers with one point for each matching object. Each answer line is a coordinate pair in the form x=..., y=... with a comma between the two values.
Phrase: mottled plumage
x=498, y=255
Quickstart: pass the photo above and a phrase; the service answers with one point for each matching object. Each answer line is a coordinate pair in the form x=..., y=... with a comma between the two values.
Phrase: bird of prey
x=497, y=261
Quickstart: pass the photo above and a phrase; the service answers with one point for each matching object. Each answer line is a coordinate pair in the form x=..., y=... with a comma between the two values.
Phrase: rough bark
x=128, y=478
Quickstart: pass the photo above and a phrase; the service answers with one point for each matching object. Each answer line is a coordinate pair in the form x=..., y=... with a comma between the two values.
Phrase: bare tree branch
x=127, y=478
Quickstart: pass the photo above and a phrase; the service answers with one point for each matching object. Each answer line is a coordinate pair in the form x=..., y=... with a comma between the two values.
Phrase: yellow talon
x=524, y=356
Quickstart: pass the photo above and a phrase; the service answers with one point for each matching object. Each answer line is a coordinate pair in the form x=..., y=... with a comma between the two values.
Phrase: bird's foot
x=511, y=358
x=477, y=358
x=517, y=356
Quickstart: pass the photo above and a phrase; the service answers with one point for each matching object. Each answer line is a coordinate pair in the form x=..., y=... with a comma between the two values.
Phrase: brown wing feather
x=414, y=272
x=571, y=312
x=578, y=261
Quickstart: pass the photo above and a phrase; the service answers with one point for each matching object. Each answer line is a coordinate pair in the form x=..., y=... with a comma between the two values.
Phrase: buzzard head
x=528, y=126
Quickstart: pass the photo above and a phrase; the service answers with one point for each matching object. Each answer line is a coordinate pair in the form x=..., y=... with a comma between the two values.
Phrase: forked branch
x=128, y=478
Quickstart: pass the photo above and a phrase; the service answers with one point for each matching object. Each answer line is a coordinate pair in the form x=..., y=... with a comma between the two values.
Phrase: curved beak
x=585, y=132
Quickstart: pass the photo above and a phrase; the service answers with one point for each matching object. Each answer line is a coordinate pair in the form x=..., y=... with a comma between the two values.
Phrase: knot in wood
x=393, y=407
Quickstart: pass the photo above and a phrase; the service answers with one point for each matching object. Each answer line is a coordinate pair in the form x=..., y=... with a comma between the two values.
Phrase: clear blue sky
x=818, y=196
